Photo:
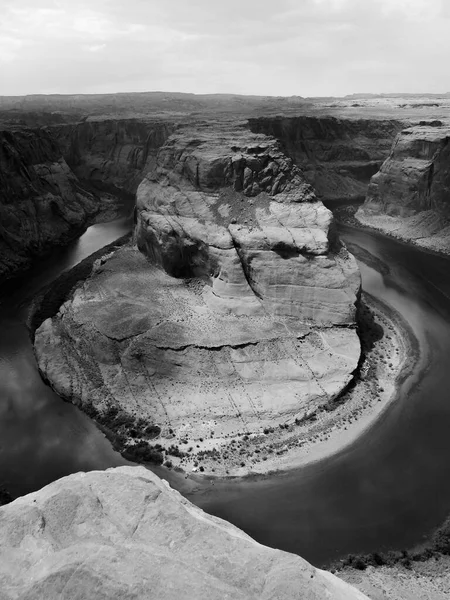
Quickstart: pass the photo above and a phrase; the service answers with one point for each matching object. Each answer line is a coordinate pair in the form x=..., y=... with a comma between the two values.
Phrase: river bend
x=387, y=490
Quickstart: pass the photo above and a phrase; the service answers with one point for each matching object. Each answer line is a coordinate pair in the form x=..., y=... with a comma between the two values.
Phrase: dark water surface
x=387, y=490
x=43, y=438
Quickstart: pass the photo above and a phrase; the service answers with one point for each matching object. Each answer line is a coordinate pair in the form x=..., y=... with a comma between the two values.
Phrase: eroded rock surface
x=337, y=156
x=41, y=200
x=410, y=196
x=125, y=534
x=230, y=207
x=249, y=322
x=112, y=152
x=136, y=337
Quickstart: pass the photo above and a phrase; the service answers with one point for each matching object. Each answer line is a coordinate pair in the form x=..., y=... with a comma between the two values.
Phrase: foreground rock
x=248, y=325
x=125, y=534
x=409, y=197
x=424, y=580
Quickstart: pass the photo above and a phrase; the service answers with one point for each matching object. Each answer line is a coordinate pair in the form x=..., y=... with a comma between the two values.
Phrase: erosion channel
x=387, y=490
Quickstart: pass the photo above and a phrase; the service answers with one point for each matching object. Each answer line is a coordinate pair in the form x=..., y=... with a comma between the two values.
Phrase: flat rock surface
x=125, y=534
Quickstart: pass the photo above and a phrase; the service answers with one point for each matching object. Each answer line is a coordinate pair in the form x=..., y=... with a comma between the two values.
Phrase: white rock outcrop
x=124, y=533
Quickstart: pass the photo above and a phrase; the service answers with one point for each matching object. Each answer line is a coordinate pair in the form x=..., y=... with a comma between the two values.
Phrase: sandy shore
x=390, y=352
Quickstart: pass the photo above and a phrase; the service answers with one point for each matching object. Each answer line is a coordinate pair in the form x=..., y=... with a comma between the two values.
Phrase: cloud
x=308, y=47
x=95, y=48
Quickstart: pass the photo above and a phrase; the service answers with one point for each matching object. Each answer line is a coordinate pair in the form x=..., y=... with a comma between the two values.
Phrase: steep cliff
x=42, y=203
x=125, y=534
x=115, y=153
x=251, y=320
x=337, y=156
x=55, y=180
x=410, y=196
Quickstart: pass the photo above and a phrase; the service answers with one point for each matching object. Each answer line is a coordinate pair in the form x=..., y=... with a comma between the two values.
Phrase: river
x=387, y=490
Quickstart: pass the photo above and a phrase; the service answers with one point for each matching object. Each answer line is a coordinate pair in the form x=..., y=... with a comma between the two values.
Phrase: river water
x=387, y=490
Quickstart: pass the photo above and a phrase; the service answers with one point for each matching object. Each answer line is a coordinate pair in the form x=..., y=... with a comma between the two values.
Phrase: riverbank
x=390, y=351
x=426, y=231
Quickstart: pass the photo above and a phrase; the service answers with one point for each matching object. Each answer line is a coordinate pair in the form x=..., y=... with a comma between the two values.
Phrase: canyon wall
x=42, y=202
x=123, y=533
x=78, y=163
x=337, y=156
x=115, y=153
x=410, y=196
x=55, y=181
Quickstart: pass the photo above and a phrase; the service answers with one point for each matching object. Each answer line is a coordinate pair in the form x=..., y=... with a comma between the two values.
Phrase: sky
x=263, y=47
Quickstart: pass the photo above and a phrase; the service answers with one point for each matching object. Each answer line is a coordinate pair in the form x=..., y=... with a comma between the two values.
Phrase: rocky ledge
x=238, y=314
x=409, y=197
x=125, y=534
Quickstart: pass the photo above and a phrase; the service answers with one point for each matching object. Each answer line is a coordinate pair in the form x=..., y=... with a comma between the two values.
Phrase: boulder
x=124, y=533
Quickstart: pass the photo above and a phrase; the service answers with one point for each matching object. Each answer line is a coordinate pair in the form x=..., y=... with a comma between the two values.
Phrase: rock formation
x=42, y=203
x=125, y=534
x=337, y=156
x=410, y=196
x=112, y=153
x=249, y=322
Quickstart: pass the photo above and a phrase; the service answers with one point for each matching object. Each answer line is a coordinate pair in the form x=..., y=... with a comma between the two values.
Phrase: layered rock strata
x=410, y=196
x=337, y=156
x=238, y=314
x=125, y=534
x=41, y=200
x=112, y=152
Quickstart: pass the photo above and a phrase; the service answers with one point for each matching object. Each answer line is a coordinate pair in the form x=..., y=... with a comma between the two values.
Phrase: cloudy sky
x=273, y=47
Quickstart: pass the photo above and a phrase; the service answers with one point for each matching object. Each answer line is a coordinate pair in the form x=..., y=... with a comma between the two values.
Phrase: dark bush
x=143, y=452
x=152, y=431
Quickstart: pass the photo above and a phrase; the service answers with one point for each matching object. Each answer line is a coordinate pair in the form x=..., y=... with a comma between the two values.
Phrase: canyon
x=235, y=294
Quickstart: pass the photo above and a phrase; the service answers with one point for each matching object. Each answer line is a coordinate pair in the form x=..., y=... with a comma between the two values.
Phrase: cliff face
x=125, y=534
x=112, y=152
x=410, y=195
x=240, y=313
x=41, y=200
x=337, y=156
x=54, y=180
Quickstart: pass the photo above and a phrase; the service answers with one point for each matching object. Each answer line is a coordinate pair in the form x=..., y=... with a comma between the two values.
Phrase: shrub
x=143, y=452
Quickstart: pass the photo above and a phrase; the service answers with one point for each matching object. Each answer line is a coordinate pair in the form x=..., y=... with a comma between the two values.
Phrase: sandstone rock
x=247, y=325
x=163, y=349
x=337, y=156
x=281, y=249
x=409, y=196
x=125, y=534
x=415, y=177
x=112, y=152
x=41, y=200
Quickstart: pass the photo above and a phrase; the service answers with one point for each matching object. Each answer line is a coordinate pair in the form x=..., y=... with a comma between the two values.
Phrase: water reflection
x=43, y=438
